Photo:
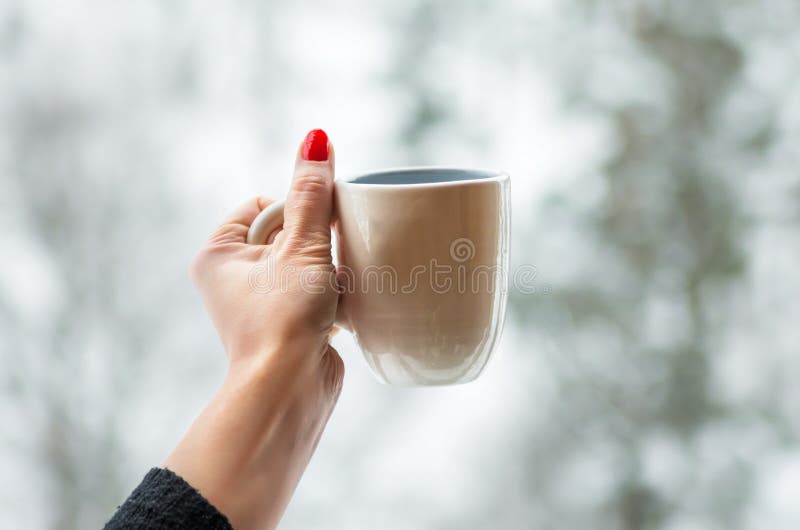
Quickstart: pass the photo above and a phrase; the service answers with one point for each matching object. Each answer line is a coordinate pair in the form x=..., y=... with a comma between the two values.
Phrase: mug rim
x=493, y=176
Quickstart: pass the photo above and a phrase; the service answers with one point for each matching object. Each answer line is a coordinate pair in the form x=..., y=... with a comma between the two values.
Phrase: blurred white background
x=650, y=382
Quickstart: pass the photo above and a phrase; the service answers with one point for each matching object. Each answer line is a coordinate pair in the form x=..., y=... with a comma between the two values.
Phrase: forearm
x=249, y=447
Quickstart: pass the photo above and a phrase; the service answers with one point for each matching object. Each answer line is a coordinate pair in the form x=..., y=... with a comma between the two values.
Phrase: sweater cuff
x=165, y=500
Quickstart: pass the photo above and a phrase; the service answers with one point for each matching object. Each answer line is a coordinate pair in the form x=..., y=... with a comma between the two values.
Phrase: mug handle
x=266, y=222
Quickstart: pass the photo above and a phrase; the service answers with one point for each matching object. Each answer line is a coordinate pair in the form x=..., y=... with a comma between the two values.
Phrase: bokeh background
x=651, y=380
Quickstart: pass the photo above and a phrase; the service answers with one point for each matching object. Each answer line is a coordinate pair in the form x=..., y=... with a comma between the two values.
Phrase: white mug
x=423, y=253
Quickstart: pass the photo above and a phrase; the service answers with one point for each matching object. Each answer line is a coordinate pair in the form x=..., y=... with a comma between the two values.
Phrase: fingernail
x=315, y=146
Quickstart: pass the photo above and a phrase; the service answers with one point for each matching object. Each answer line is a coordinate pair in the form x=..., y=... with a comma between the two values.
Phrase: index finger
x=235, y=226
x=246, y=213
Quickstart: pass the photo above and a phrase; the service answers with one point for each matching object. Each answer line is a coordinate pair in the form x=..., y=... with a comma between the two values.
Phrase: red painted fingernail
x=315, y=146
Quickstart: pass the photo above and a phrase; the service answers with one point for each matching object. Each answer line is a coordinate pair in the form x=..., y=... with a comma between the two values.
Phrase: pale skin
x=248, y=448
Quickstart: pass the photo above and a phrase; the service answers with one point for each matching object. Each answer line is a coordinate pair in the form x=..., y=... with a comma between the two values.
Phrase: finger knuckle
x=227, y=233
x=311, y=184
x=308, y=243
x=206, y=259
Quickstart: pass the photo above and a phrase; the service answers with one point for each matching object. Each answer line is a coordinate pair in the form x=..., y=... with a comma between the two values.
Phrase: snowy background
x=652, y=381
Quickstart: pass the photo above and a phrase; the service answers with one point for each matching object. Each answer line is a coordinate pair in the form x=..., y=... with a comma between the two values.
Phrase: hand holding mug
x=248, y=448
x=253, y=321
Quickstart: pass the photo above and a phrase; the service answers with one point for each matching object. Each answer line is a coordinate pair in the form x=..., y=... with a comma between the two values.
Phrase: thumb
x=309, y=205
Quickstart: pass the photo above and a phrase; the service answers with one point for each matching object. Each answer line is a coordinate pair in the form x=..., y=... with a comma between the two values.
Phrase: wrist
x=260, y=358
